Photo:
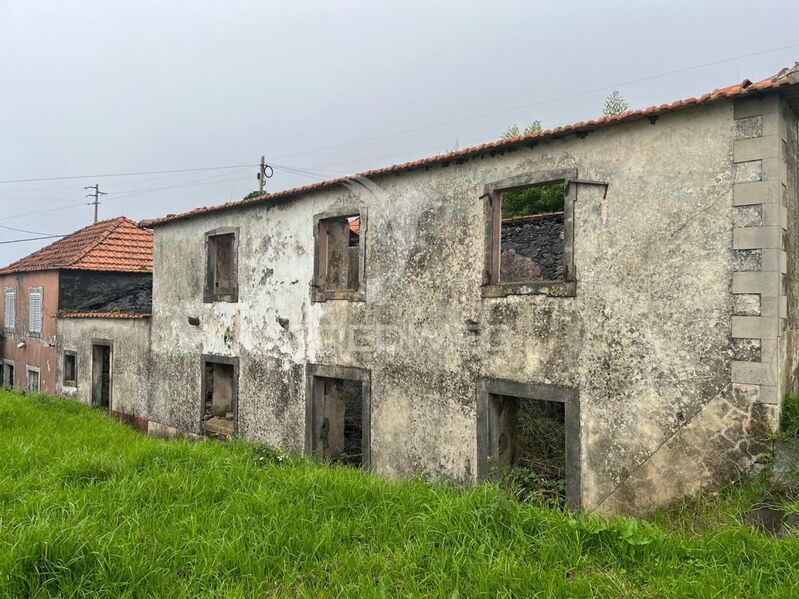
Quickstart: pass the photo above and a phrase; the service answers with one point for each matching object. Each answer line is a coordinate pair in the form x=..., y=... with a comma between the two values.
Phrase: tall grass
x=90, y=508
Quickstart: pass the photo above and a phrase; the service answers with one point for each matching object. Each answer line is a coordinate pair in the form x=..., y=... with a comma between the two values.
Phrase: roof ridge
x=99, y=240
x=783, y=78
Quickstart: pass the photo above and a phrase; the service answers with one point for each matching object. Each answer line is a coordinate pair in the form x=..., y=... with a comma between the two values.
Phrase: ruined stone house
x=630, y=328
x=76, y=316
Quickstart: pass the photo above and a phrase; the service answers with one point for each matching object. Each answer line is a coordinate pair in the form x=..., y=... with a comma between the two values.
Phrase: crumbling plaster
x=130, y=339
x=646, y=339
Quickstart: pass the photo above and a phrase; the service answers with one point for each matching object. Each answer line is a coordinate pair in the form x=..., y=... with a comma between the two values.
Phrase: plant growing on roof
x=615, y=104
x=515, y=131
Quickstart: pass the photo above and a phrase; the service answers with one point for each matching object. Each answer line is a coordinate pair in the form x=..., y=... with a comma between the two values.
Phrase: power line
x=30, y=239
x=532, y=104
x=26, y=231
x=184, y=170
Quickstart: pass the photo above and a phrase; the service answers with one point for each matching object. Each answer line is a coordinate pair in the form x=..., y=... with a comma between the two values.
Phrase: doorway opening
x=8, y=374
x=529, y=435
x=101, y=374
x=338, y=420
x=219, y=396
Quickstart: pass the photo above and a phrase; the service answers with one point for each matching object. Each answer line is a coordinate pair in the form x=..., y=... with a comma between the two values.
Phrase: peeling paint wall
x=130, y=353
x=646, y=341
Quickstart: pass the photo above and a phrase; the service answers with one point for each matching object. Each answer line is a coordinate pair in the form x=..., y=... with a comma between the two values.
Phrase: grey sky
x=110, y=87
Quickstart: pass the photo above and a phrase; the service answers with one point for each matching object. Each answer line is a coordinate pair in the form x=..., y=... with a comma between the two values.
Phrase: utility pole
x=262, y=174
x=96, y=195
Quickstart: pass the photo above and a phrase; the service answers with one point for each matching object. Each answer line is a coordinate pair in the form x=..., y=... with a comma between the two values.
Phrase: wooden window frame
x=6, y=326
x=314, y=377
x=209, y=292
x=32, y=333
x=492, y=206
x=319, y=291
x=38, y=371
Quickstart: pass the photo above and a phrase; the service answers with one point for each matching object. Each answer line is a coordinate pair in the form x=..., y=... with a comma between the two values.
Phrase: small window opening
x=33, y=382
x=340, y=253
x=222, y=277
x=342, y=422
x=219, y=401
x=532, y=233
x=528, y=446
x=70, y=369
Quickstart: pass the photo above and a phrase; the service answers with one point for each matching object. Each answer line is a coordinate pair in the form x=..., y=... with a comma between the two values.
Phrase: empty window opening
x=33, y=379
x=10, y=322
x=527, y=445
x=219, y=398
x=70, y=369
x=8, y=374
x=101, y=376
x=35, y=311
x=339, y=253
x=221, y=275
x=532, y=233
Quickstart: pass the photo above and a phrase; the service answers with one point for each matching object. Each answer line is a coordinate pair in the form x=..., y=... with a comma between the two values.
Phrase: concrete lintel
x=756, y=148
x=755, y=327
x=755, y=192
x=764, y=283
x=749, y=238
x=753, y=373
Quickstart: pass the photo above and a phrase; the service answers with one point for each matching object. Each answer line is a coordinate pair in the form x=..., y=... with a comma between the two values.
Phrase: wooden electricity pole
x=96, y=195
x=262, y=174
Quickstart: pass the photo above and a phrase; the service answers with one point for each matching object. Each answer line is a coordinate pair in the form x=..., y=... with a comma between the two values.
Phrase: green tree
x=615, y=104
x=255, y=194
x=533, y=200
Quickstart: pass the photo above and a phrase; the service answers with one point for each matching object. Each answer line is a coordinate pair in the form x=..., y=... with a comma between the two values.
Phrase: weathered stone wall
x=92, y=291
x=129, y=360
x=532, y=248
x=645, y=340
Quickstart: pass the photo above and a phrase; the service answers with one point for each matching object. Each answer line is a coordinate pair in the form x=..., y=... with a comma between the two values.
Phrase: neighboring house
x=73, y=311
x=630, y=330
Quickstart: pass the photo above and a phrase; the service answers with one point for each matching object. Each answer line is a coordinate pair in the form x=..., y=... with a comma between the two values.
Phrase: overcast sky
x=89, y=88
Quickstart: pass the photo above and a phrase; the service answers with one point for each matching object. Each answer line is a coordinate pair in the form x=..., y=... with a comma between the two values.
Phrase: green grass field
x=91, y=508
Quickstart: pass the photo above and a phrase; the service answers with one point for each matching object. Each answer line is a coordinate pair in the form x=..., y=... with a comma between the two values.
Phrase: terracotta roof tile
x=118, y=245
x=783, y=79
x=119, y=315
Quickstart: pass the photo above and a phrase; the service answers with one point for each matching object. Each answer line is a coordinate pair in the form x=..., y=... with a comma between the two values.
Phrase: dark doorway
x=529, y=434
x=101, y=375
x=339, y=419
x=8, y=374
x=220, y=396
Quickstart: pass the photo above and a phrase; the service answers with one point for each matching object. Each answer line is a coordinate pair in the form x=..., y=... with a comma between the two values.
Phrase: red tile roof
x=118, y=245
x=782, y=80
x=120, y=315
